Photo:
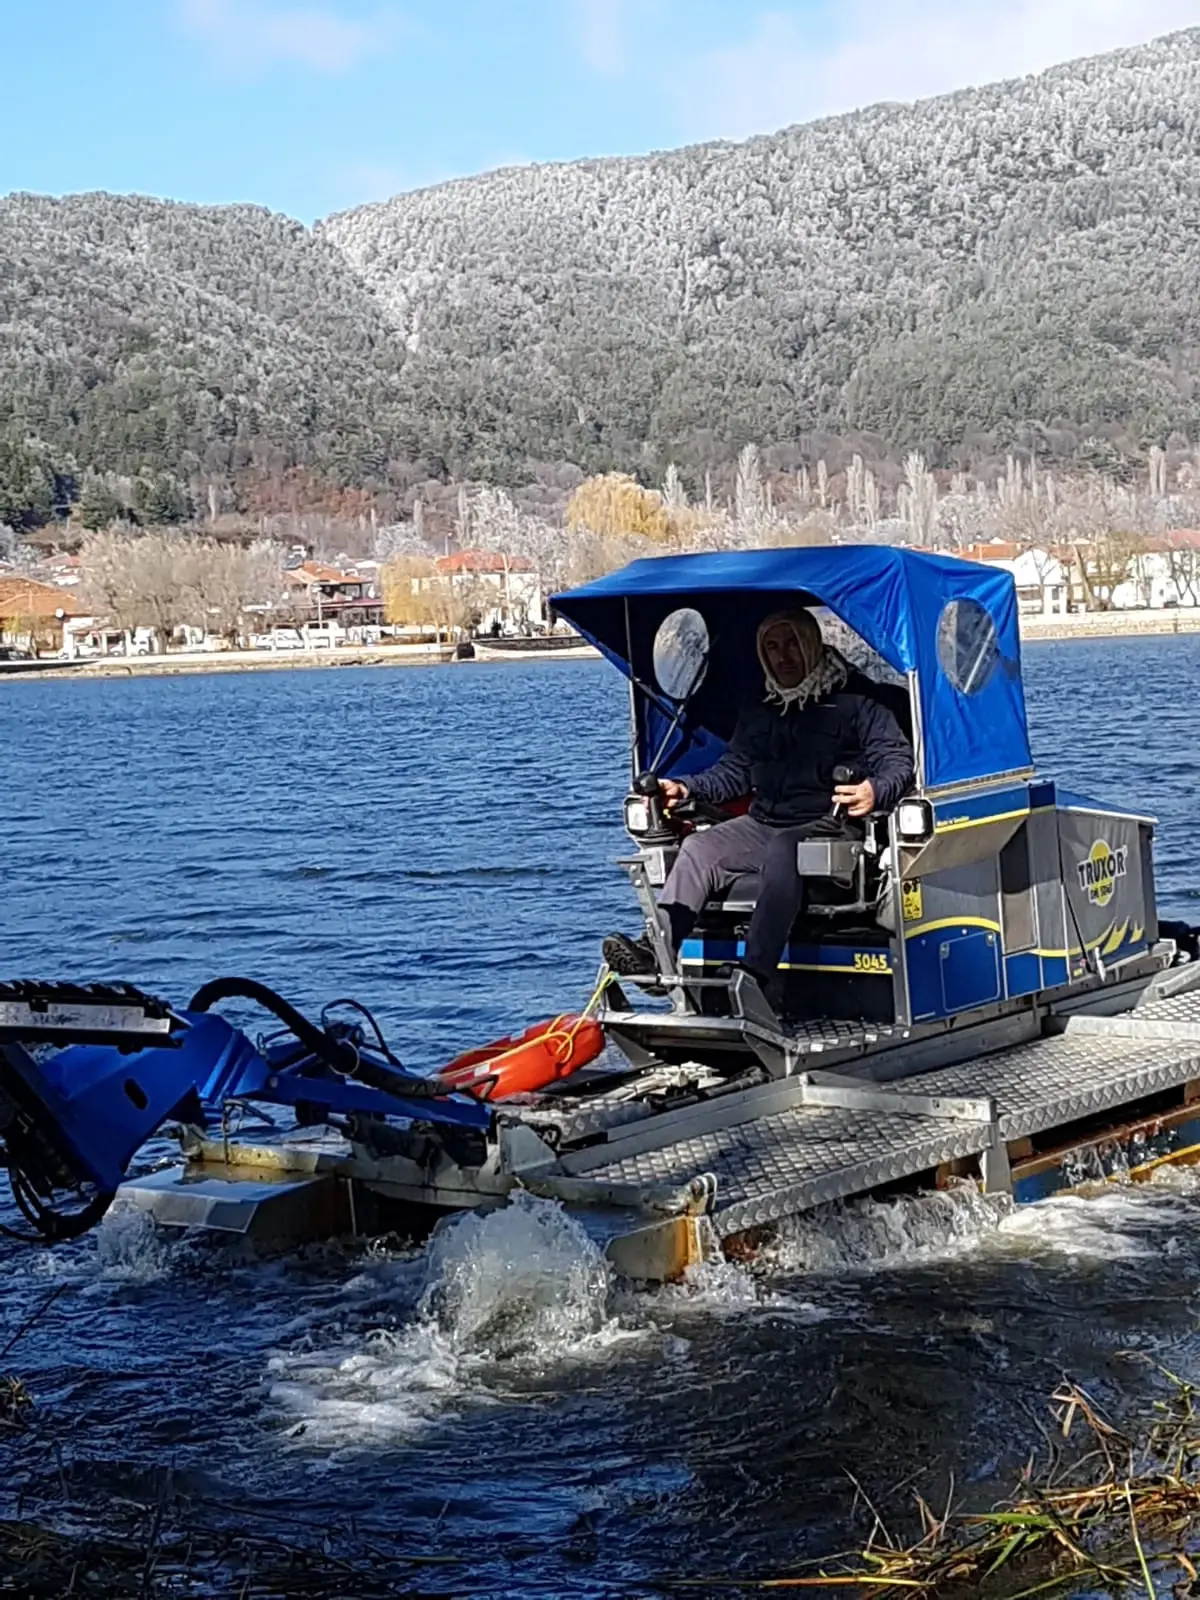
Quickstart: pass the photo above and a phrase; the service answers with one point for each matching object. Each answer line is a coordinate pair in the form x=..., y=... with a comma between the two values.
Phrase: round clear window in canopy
x=681, y=653
x=967, y=646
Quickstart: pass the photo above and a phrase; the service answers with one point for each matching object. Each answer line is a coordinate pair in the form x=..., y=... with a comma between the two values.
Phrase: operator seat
x=740, y=898
x=742, y=894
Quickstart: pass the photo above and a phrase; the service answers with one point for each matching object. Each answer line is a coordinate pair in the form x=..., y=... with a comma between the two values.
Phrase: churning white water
x=866, y=1234
x=506, y=1292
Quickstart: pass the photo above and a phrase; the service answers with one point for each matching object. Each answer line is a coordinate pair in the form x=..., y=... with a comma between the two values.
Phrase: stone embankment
x=181, y=662
x=1111, y=624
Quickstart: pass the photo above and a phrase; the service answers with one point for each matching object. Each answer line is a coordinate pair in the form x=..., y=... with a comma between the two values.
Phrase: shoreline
x=185, y=664
x=1079, y=625
x=1130, y=624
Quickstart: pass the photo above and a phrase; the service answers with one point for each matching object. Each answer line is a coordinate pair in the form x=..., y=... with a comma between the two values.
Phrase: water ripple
x=441, y=844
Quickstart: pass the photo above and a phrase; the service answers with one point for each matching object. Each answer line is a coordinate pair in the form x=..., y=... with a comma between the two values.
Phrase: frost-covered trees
x=180, y=346
x=917, y=499
x=960, y=270
x=1014, y=268
x=165, y=580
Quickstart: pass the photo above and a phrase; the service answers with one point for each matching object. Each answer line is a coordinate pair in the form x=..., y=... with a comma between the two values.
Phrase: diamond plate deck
x=800, y=1158
x=1175, y=1008
x=803, y=1156
x=816, y=1035
x=1059, y=1080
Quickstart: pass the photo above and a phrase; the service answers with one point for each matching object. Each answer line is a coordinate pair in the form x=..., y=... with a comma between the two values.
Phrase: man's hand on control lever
x=673, y=792
x=855, y=799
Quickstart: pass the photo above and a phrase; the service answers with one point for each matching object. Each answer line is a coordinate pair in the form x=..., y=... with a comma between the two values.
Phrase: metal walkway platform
x=664, y=1155
x=806, y=1154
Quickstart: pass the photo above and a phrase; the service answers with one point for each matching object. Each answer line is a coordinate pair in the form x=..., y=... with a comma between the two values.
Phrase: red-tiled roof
x=993, y=550
x=482, y=561
x=22, y=597
x=320, y=572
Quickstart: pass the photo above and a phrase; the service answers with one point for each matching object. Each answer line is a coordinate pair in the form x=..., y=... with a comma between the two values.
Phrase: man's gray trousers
x=710, y=861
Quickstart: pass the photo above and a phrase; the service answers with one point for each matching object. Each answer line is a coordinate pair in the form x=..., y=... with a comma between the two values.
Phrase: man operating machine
x=818, y=753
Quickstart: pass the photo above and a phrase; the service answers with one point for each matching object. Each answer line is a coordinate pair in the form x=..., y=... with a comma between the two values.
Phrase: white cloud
x=601, y=28
x=784, y=71
x=250, y=35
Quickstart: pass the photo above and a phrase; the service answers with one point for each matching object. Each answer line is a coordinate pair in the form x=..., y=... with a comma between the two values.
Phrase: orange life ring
x=527, y=1062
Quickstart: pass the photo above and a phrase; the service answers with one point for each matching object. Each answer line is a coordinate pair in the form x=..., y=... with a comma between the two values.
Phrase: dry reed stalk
x=1121, y=1519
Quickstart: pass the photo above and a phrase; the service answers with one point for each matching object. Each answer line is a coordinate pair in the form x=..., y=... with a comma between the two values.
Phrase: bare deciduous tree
x=917, y=502
x=165, y=581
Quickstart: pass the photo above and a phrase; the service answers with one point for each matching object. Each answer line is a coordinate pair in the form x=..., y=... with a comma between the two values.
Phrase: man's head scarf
x=823, y=669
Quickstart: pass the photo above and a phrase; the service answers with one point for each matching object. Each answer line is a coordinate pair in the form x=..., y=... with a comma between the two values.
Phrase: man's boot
x=630, y=958
x=636, y=958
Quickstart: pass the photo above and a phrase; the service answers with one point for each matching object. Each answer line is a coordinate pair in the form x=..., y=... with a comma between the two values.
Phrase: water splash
x=514, y=1283
x=506, y=1293
x=126, y=1248
x=863, y=1235
x=1111, y=1222
x=131, y=1248
x=1176, y=1179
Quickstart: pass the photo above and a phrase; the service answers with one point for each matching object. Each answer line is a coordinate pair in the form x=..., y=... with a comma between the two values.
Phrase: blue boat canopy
x=949, y=626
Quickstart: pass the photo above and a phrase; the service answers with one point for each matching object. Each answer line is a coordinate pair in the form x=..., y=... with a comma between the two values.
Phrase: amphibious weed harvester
x=979, y=988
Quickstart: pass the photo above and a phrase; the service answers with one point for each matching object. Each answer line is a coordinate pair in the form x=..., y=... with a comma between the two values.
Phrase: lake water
x=439, y=844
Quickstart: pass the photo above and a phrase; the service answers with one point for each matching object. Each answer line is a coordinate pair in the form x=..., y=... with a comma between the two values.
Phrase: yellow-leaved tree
x=615, y=506
x=417, y=594
x=406, y=585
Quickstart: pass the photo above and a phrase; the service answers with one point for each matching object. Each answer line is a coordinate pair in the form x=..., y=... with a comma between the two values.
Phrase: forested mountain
x=212, y=344
x=1012, y=265
x=1028, y=252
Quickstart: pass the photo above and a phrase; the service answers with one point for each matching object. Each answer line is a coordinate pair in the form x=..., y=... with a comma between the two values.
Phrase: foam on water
x=131, y=1249
x=1107, y=1221
x=863, y=1235
x=1181, y=1180
x=126, y=1248
x=1111, y=1222
x=507, y=1292
x=512, y=1283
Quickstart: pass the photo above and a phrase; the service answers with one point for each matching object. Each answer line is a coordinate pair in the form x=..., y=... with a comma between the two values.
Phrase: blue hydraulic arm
x=72, y=1118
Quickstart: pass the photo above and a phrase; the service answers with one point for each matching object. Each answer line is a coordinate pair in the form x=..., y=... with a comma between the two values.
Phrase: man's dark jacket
x=787, y=757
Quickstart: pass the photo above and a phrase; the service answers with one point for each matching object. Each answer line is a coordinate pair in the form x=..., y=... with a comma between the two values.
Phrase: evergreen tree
x=99, y=506
x=27, y=496
x=160, y=499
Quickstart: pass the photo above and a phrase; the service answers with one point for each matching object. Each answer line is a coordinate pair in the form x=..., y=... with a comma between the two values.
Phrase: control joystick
x=843, y=775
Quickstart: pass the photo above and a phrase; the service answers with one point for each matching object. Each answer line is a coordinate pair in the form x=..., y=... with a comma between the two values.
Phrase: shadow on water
x=440, y=844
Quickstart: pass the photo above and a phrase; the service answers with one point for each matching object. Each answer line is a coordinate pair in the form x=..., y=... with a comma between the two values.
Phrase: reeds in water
x=1113, y=1511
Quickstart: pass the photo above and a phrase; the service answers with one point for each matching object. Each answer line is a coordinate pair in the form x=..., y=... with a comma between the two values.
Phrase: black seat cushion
x=741, y=893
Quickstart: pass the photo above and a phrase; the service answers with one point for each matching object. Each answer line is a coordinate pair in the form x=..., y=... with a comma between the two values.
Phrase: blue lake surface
x=439, y=844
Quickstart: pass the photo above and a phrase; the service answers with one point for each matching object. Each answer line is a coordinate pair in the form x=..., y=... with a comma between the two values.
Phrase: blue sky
x=311, y=106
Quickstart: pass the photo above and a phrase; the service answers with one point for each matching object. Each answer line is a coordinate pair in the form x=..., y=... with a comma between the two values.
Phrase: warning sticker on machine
x=912, y=900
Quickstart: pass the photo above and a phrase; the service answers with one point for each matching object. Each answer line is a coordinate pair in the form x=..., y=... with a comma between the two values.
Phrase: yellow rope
x=606, y=977
x=562, y=1038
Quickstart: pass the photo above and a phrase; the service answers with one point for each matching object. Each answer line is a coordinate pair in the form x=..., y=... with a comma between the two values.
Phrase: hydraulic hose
x=343, y=1058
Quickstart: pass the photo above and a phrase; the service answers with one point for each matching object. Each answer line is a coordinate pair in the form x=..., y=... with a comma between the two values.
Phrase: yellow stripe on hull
x=951, y=922
x=978, y=822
